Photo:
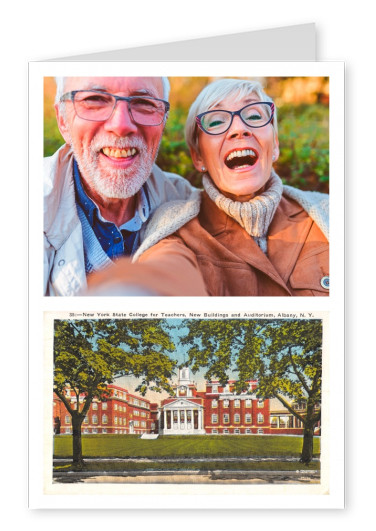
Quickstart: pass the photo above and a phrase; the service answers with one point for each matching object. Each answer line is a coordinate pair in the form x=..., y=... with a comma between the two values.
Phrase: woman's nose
x=238, y=128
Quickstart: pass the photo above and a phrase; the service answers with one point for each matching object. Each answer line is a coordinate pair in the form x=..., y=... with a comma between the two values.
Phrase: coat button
x=61, y=262
x=117, y=239
x=325, y=282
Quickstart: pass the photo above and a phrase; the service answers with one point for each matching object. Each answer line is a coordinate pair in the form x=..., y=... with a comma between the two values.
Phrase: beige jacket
x=64, y=266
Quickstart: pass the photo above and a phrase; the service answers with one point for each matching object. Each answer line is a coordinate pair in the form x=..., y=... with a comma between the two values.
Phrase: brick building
x=217, y=410
x=122, y=413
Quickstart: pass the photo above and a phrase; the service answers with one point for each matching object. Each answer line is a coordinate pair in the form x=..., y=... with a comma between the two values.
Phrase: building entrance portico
x=182, y=417
x=184, y=413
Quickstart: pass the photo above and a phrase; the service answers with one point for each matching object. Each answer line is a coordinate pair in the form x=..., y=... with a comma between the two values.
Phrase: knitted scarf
x=255, y=215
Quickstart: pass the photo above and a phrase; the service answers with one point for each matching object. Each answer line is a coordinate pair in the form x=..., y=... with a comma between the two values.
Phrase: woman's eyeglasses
x=254, y=115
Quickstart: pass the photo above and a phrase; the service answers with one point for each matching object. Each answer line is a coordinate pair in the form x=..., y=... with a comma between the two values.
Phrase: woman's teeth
x=241, y=158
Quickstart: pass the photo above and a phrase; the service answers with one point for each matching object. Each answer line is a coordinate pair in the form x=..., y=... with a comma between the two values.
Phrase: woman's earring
x=203, y=168
x=273, y=158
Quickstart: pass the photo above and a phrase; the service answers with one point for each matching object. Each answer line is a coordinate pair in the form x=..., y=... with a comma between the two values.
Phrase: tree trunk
x=307, y=451
x=78, y=461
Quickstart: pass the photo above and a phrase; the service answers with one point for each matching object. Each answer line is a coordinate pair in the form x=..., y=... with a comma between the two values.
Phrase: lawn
x=131, y=446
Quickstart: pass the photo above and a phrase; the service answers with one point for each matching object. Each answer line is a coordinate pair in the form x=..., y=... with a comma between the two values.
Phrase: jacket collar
x=287, y=233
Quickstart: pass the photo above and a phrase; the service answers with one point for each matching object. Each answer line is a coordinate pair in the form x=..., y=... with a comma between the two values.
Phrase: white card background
x=344, y=32
x=278, y=498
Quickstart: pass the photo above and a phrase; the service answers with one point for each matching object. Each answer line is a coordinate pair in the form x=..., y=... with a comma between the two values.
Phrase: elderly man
x=102, y=186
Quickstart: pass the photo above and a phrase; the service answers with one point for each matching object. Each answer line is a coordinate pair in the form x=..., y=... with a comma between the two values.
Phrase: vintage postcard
x=203, y=403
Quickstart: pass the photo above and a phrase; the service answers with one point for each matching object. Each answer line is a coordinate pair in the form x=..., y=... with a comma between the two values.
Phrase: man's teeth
x=119, y=153
x=241, y=153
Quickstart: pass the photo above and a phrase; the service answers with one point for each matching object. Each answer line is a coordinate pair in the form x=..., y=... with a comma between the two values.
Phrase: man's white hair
x=60, y=85
x=213, y=94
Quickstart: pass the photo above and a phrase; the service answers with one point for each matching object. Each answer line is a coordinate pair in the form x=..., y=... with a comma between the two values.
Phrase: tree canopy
x=88, y=354
x=284, y=356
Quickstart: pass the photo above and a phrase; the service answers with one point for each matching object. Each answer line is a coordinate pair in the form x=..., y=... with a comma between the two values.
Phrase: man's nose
x=120, y=121
x=238, y=128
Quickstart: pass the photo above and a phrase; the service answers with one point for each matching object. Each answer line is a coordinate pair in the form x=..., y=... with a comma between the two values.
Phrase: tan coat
x=213, y=255
x=231, y=263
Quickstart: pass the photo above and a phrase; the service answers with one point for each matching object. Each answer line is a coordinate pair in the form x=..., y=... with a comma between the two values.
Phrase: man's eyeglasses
x=98, y=106
x=253, y=115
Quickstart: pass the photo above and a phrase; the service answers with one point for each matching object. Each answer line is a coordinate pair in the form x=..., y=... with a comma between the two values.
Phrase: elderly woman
x=247, y=234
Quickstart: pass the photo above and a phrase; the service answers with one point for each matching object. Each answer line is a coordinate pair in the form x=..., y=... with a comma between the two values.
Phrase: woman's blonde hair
x=216, y=92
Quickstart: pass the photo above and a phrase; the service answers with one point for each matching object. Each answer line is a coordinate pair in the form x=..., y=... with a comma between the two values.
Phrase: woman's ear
x=197, y=160
x=275, y=148
x=62, y=124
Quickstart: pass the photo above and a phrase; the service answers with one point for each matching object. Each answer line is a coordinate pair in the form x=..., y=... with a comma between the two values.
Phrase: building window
x=214, y=403
x=226, y=430
x=237, y=403
x=67, y=419
x=115, y=407
x=214, y=431
x=136, y=412
x=274, y=422
x=86, y=420
x=121, y=421
x=248, y=430
x=226, y=418
x=248, y=402
x=68, y=431
x=260, y=402
x=136, y=423
x=152, y=426
x=115, y=420
x=104, y=405
x=94, y=405
x=260, y=431
x=124, y=422
x=214, y=388
x=236, y=430
x=237, y=418
x=95, y=430
x=143, y=424
x=226, y=403
x=214, y=419
x=260, y=418
x=248, y=418
x=104, y=419
x=94, y=419
x=86, y=430
x=104, y=430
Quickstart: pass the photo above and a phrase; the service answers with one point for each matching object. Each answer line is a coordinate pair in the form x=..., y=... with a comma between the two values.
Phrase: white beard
x=115, y=183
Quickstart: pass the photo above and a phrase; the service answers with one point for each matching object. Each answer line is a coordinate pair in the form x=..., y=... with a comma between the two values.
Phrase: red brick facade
x=121, y=413
x=215, y=411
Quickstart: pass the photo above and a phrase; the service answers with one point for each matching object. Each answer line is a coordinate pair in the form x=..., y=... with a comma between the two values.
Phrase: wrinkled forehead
x=125, y=86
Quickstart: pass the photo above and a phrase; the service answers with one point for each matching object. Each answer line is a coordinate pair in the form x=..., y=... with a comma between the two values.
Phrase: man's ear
x=62, y=125
x=197, y=160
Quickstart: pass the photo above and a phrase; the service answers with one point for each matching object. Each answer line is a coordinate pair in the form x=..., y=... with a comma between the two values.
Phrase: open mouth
x=241, y=158
x=116, y=153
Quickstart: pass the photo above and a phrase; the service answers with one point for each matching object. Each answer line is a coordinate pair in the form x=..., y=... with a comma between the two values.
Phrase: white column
x=185, y=419
x=199, y=419
x=165, y=419
x=178, y=419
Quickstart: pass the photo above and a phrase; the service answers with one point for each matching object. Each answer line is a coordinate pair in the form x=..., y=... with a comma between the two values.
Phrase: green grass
x=182, y=446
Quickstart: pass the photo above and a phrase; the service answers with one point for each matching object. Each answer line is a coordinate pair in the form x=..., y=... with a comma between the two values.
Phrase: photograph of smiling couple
x=186, y=186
